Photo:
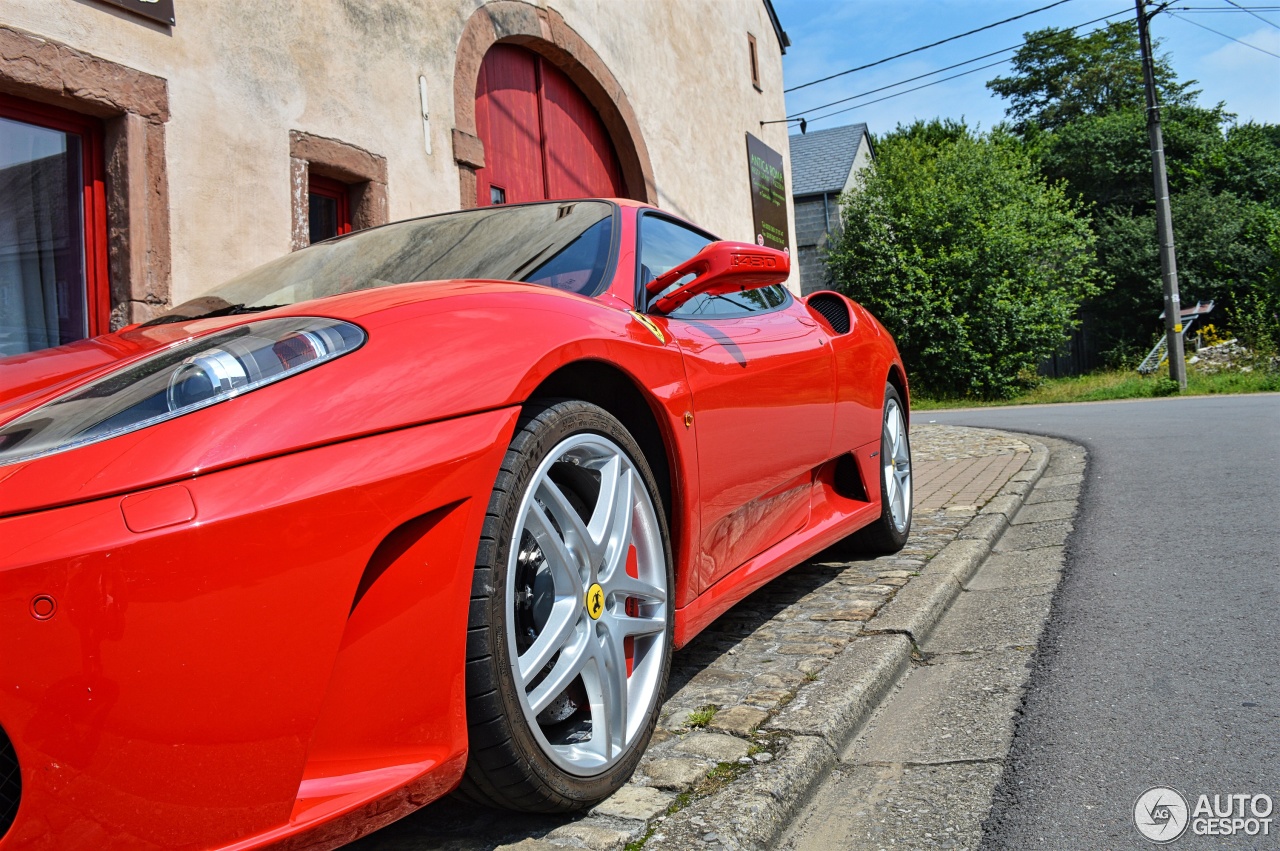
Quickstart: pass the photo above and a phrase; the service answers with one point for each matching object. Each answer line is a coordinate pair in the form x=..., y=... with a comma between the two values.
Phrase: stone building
x=824, y=164
x=150, y=149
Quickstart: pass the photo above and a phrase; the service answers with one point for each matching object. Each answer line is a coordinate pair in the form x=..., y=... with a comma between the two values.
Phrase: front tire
x=570, y=629
x=890, y=531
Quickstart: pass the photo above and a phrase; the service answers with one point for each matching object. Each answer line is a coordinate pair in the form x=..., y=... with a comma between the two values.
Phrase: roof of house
x=821, y=160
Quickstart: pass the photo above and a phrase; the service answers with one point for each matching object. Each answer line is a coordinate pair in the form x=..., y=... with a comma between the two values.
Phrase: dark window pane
x=42, y=272
x=497, y=195
x=323, y=216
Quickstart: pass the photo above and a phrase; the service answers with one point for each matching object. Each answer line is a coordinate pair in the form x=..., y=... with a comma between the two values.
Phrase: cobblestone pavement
x=737, y=675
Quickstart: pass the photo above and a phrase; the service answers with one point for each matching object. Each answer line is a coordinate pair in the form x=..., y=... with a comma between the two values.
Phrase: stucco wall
x=241, y=76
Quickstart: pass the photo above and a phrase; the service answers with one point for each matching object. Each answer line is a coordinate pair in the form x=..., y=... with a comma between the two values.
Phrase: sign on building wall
x=160, y=11
x=768, y=194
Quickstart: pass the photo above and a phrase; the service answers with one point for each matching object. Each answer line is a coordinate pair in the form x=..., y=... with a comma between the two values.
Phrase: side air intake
x=10, y=783
x=833, y=308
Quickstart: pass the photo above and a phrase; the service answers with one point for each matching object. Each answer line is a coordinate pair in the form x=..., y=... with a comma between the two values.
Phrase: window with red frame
x=53, y=229
x=328, y=208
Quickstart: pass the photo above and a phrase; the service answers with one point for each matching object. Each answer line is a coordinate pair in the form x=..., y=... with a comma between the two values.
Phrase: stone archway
x=545, y=32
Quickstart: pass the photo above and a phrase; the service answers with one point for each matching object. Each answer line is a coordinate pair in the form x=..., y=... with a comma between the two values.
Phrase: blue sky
x=832, y=35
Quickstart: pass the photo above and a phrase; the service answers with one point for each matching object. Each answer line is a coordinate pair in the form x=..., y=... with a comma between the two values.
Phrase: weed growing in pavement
x=720, y=776
x=716, y=779
x=702, y=716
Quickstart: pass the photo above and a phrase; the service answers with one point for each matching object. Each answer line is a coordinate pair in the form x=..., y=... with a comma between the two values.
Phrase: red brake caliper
x=633, y=609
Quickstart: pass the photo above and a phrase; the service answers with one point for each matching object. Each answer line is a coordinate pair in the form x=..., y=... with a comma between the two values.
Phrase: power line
x=909, y=91
x=1018, y=46
x=1224, y=35
x=795, y=115
x=806, y=112
x=1251, y=12
x=923, y=47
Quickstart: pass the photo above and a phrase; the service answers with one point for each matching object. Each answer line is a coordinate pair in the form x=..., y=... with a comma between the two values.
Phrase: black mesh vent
x=10, y=783
x=833, y=309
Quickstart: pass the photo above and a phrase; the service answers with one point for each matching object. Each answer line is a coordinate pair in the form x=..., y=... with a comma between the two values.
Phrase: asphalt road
x=1160, y=665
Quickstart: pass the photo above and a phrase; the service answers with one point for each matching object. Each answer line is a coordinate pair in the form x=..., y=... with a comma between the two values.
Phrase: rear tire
x=570, y=629
x=890, y=531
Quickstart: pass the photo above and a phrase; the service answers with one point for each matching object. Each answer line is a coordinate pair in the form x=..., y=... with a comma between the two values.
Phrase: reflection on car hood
x=434, y=352
x=30, y=379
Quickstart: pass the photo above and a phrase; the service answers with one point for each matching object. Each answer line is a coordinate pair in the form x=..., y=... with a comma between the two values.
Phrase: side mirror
x=720, y=268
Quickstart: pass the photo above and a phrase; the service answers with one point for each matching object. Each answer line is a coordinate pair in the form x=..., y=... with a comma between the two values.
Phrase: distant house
x=823, y=165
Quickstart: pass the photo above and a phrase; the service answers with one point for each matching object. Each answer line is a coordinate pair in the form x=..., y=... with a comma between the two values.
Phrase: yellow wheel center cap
x=595, y=601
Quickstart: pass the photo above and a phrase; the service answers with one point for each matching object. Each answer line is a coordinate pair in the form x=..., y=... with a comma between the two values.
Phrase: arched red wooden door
x=542, y=138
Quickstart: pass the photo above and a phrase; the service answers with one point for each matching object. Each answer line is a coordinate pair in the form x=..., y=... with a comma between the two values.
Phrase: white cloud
x=1247, y=80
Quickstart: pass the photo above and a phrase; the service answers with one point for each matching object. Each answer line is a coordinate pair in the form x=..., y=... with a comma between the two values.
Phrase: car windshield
x=562, y=245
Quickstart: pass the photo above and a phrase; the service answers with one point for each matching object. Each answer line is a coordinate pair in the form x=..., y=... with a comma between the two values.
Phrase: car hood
x=434, y=351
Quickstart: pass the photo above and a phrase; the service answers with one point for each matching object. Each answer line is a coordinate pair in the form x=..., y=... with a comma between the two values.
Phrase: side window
x=328, y=207
x=53, y=283
x=664, y=244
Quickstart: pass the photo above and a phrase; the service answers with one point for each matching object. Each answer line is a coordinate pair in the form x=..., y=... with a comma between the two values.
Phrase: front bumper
x=281, y=655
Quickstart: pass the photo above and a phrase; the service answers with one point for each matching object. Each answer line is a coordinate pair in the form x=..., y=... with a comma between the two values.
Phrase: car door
x=762, y=377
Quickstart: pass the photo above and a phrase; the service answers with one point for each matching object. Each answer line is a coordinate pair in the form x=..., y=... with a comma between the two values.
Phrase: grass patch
x=702, y=716
x=719, y=777
x=1122, y=384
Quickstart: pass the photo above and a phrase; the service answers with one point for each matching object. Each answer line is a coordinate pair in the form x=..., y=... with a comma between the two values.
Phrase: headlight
x=177, y=381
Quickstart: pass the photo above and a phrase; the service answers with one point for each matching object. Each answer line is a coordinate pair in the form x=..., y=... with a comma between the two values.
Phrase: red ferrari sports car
x=418, y=509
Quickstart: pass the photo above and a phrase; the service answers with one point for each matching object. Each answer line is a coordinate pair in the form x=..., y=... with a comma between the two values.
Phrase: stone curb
x=848, y=689
x=824, y=716
x=914, y=613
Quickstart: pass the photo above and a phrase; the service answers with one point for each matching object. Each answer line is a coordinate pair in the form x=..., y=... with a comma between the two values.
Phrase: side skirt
x=834, y=517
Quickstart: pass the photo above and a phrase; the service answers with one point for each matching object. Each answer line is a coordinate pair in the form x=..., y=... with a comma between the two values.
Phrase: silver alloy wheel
x=576, y=616
x=897, y=465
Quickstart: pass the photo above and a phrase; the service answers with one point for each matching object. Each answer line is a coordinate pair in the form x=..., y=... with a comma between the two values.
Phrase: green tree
x=1105, y=158
x=1226, y=253
x=966, y=254
x=1060, y=76
x=1081, y=112
x=1104, y=161
x=1247, y=163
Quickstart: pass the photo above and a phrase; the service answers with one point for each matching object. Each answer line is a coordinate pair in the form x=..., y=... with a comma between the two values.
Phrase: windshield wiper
x=207, y=308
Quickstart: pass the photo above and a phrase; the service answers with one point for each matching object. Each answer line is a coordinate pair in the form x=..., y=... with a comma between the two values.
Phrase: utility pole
x=1164, y=218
